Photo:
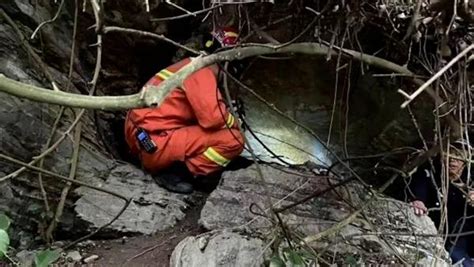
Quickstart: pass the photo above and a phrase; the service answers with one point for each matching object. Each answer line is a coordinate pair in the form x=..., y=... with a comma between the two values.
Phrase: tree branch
x=161, y=37
x=155, y=97
x=39, y=94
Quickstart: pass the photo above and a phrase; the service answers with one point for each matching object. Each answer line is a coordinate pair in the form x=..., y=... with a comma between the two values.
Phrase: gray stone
x=91, y=258
x=153, y=208
x=222, y=249
x=25, y=258
x=229, y=206
x=74, y=256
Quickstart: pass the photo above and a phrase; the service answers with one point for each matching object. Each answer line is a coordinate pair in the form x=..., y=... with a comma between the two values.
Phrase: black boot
x=207, y=183
x=175, y=178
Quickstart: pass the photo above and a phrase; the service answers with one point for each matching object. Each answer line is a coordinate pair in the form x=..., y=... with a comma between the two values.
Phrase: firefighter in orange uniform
x=192, y=133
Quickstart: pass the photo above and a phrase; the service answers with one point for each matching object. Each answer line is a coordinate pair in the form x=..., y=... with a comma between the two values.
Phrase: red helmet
x=226, y=36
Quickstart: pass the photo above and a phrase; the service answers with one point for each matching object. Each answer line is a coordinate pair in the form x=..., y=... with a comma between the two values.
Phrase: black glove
x=238, y=107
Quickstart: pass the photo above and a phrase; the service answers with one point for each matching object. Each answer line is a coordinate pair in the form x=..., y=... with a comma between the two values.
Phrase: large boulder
x=386, y=228
x=152, y=209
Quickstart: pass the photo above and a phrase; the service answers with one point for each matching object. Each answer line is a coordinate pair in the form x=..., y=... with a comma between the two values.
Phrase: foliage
x=276, y=261
x=4, y=238
x=291, y=257
x=42, y=259
x=4, y=221
x=46, y=257
x=4, y=242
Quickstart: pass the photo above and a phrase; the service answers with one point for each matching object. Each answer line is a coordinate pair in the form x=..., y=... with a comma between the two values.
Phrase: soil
x=152, y=250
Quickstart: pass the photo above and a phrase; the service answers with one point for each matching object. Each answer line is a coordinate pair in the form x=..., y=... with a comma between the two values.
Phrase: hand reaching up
x=419, y=208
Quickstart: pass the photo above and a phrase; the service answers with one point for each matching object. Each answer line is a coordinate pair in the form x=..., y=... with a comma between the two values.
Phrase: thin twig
x=187, y=15
x=336, y=87
x=65, y=191
x=46, y=152
x=151, y=248
x=48, y=21
x=315, y=195
x=24, y=42
x=147, y=5
x=98, y=64
x=414, y=20
x=179, y=7
x=161, y=37
x=61, y=177
x=437, y=75
x=125, y=206
x=263, y=34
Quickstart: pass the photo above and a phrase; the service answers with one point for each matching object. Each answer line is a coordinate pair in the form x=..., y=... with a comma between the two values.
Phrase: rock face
x=153, y=208
x=218, y=249
x=25, y=126
x=228, y=206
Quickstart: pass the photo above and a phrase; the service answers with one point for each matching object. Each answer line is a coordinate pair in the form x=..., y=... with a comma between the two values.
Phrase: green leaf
x=276, y=261
x=4, y=242
x=295, y=259
x=46, y=257
x=4, y=221
x=350, y=260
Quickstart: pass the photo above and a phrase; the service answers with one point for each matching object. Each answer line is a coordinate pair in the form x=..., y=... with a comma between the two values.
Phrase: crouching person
x=192, y=133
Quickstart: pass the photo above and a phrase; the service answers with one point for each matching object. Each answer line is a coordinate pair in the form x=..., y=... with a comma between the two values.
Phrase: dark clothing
x=460, y=215
x=460, y=251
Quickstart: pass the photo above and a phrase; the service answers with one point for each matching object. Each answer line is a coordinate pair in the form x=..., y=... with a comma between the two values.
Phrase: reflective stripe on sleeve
x=215, y=157
x=231, y=34
x=164, y=74
x=230, y=121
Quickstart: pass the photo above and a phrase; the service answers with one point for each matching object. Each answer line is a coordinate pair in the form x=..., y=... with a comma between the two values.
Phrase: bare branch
x=48, y=21
x=61, y=177
x=39, y=94
x=161, y=37
x=65, y=191
x=179, y=7
x=188, y=15
x=154, y=96
x=437, y=75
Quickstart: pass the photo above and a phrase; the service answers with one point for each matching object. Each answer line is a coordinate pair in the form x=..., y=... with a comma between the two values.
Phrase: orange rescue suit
x=192, y=125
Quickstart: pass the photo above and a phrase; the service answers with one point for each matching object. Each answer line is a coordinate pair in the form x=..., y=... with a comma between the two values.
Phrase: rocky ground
x=147, y=250
x=228, y=228
x=152, y=250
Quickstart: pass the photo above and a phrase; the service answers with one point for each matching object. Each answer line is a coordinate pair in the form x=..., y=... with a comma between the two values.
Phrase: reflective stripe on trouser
x=203, y=151
x=215, y=157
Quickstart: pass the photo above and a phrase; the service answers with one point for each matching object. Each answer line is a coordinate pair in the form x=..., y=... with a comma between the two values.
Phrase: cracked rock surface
x=229, y=207
x=153, y=208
